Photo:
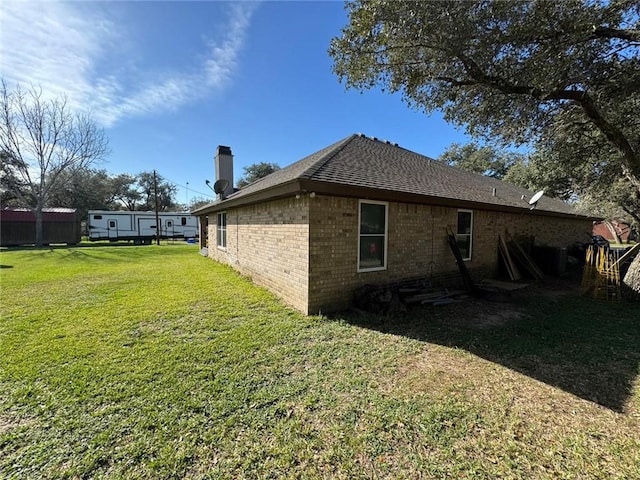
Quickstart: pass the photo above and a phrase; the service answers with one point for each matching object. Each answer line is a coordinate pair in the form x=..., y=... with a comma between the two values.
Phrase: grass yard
x=154, y=362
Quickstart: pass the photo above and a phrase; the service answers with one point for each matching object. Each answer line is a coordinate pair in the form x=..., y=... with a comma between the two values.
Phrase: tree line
x=95, y=189
x=607, y=196
x=48, y=155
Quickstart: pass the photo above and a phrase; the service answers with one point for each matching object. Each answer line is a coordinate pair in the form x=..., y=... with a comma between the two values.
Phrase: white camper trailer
x=140, y=226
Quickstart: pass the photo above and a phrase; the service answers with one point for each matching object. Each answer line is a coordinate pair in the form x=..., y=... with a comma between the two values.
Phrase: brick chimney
x=224, y=168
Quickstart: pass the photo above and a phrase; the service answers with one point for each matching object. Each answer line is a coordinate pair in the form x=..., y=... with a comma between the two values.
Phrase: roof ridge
x=311, y=171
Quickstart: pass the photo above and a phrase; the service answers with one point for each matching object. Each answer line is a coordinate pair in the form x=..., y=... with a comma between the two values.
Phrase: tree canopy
x=562, y=74
x=85, y=189
x=485, y=160
x=255, y=172
x=165, y=190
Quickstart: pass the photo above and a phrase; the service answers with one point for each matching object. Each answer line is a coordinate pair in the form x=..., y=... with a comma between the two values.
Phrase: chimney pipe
x=224, y=168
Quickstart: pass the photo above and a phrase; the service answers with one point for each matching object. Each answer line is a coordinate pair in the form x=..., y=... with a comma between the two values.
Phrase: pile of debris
x=603, y=272
x=393, y=299
x=511, y=250
x=378, y=299
x=389, y=300
x=444, y=297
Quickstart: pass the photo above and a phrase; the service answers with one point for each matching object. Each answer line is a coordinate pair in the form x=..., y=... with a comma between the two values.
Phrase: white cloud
x=44, y=43
x=64, y=48
x=222, y=59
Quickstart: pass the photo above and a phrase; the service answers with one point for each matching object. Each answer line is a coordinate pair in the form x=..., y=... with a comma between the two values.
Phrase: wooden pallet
x=523, y=258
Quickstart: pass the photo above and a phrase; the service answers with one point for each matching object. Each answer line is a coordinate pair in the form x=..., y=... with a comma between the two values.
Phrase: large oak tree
x=485, y=160
x=522, y=71
x=563, y=75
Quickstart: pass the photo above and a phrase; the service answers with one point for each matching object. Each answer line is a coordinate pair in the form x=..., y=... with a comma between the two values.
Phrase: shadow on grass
x=64, y=246
x=80, y=248
x=88, y=253
x=586, y=348
x=91, y=244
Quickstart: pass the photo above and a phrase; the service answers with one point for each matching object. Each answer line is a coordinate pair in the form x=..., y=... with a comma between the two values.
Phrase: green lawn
x=154, y=362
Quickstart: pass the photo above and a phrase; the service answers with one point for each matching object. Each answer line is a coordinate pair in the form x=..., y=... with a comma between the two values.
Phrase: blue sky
x=169, y=81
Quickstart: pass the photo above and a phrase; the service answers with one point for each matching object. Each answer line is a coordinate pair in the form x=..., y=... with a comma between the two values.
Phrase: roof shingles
x=359, y=161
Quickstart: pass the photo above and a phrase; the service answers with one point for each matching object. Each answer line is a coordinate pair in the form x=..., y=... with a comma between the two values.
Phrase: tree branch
x=580, y=97
x=629, y=34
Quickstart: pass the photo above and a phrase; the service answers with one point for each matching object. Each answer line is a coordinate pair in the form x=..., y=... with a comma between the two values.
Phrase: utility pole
x=155, y=196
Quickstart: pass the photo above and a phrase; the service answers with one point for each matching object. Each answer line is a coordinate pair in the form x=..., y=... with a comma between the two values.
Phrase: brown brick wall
x=305, y=250
x=269, y=243
x=544, y=231
x=417, y=245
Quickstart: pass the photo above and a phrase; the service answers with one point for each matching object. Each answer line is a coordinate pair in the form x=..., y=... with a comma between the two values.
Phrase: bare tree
x=40, y=139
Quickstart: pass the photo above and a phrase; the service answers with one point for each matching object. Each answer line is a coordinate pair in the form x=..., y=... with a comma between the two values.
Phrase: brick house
x=364, y=211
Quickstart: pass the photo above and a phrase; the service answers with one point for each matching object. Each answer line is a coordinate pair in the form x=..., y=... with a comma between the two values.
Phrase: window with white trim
x=372, y=237
x=222, y=230
x=464, y=233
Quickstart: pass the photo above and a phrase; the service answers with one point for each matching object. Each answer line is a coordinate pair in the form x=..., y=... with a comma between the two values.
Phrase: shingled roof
x=364, y=167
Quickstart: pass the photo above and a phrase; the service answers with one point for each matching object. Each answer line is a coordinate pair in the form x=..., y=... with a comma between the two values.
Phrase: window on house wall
x=222, y=230
x=372, y=246
x=464, y=233
x=183, y=221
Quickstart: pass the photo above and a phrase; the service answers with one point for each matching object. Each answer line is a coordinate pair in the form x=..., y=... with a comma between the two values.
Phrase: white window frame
x=222, y=245
x=470, y=234
x=386, y=235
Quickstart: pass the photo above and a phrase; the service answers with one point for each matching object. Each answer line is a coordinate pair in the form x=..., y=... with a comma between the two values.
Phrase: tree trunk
x=39, y=226
x=632, y=278
x=632, y=177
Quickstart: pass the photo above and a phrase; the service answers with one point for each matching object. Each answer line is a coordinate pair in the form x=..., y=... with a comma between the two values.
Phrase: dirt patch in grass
x=479, y=314
x=488, y=310
x=8, y=423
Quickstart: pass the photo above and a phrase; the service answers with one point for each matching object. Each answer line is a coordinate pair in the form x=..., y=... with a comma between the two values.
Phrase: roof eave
x=302, y=185
x=334, y=189
x=282, y=190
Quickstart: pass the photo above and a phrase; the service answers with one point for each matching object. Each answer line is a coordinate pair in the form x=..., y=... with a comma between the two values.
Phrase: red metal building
x=18, y=226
